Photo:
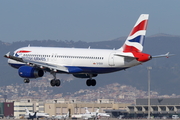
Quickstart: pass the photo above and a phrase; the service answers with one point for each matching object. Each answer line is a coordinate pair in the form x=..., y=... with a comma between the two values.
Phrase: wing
x=45, y=66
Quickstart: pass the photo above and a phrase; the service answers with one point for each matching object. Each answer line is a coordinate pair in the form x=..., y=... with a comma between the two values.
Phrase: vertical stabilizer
x=27, y=111
x=67, y=115
x=135, y=40
x=87, y=111
x=97, y=111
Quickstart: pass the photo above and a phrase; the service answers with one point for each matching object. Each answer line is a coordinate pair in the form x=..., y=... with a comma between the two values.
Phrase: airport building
x=16, y=108
x=6, y=109
x=31, y=105
x=78, y=107
x=159, y=107
x=60, y=106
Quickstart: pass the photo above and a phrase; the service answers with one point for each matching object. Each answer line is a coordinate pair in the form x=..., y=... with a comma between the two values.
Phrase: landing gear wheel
x=88, y=82
x=26, y=80
x=58, y=82
x=53, y=82
x=93, y=82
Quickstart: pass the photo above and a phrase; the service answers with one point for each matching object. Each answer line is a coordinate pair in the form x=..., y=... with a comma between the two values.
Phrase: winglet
x=7, y=55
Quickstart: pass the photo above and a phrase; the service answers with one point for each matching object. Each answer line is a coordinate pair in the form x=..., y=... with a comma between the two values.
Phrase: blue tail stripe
x=139, y=39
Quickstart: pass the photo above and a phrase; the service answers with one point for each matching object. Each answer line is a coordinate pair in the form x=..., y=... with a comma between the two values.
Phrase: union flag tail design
x=135, y=40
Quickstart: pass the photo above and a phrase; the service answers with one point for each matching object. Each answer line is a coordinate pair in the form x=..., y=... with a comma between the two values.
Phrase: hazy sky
x=86, y=20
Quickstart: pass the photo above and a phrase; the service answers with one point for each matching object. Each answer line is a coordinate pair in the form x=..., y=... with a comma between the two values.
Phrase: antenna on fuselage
x=29, y=45
x=89, y=47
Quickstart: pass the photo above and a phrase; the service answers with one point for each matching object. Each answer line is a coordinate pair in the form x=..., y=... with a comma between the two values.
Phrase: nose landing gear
x=26, y=80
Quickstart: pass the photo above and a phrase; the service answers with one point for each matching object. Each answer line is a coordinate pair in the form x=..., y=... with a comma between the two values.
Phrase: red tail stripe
x=141, y=26
x=130, y=49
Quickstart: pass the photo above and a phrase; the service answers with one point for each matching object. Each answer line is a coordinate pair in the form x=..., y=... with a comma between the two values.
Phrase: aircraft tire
x=26, y=80
x=58, y=82
x=88, y=82
x=53, y=82
x=93, y=82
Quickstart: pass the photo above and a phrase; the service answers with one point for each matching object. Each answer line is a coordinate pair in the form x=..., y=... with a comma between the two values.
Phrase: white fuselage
x=95, y=61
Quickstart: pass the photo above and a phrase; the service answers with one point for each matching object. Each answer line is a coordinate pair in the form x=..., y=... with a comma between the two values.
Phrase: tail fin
x=32, y=116
x=67, y=115
x=27, y=111
x=97, y=111
x=135, y=40
x=86, y=109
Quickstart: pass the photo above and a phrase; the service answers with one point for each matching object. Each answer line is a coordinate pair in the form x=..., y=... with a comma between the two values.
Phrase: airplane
x=33, y=62
x=78, y=116
x=97, y=114
x=83, y=116
x=30, y=115
x=86, y=115
x=62, y=116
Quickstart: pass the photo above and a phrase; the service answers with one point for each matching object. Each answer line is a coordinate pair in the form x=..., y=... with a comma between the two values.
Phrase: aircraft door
x=111, y=59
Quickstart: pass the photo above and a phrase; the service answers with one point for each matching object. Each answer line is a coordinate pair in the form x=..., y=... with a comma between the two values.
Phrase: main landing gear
x=90, y=81
x=55, y=82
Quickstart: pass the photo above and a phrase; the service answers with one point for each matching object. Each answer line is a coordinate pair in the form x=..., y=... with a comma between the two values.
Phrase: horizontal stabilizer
x=163, y=55
x=125, y=55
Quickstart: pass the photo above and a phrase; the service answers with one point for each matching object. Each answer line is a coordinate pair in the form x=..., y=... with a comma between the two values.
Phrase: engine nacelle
x=30, y=72
x=84, y=75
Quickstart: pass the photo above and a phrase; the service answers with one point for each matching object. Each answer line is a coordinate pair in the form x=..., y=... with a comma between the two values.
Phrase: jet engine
x=30, y=72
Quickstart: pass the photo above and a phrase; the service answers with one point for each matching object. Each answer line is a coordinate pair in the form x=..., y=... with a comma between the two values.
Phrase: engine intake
x=30, y=72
